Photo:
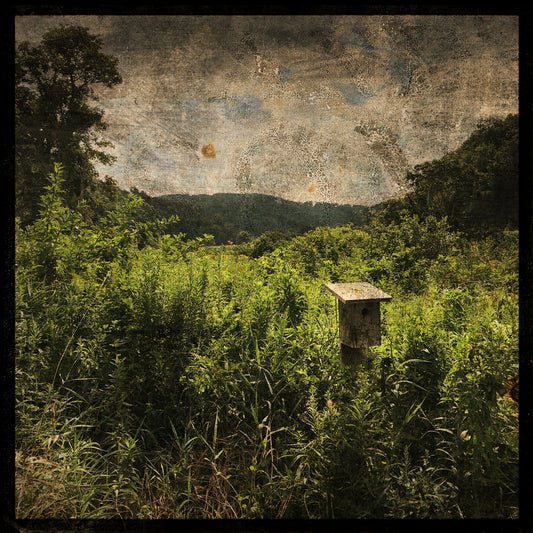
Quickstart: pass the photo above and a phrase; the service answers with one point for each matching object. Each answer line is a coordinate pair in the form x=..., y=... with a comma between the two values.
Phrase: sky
x=321, y=108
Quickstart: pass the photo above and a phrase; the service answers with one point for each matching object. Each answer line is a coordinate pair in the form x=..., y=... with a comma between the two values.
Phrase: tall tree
x=54, y=118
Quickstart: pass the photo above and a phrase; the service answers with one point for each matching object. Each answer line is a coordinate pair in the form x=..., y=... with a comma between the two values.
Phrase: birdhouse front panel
x=359, y=324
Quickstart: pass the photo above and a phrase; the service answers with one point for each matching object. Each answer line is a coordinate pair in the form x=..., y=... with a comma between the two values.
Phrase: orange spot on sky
x=312, y=188
x=208, y=151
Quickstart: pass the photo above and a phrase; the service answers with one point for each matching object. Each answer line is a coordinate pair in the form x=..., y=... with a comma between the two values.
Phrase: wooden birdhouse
x=359, y=318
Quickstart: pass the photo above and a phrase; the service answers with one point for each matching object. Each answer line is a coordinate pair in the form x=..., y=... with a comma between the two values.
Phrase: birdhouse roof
x=357, y=292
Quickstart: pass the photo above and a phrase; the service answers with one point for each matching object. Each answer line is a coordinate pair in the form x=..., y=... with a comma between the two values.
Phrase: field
x=162, y=377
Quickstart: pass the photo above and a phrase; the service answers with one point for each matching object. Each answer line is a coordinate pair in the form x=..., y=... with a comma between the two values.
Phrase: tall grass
x=170, y=380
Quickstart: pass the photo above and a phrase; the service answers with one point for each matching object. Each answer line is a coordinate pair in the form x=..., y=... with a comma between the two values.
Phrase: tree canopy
x=475, y=186
x=55, y=121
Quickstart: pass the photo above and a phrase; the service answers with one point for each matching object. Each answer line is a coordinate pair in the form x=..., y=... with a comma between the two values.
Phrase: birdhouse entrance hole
x=359, y=318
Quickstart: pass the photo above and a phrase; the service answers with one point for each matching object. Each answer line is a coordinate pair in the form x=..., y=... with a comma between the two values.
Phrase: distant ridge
x=227, y=215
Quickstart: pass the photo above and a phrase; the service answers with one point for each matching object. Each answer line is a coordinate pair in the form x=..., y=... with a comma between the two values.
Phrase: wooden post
x=359, y=319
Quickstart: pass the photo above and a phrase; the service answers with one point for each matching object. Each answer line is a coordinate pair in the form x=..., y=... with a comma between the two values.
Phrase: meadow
x=159, y=376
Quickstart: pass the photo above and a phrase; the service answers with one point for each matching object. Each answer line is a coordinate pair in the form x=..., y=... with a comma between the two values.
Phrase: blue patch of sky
x=284, y=75
x=190, y=107
x=247, y=107
x=400, y=72
x=353, y=94
x=355, y=39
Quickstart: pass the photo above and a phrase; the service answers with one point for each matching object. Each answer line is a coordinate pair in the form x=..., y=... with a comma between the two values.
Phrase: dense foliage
x=476, y=186
x=157, y=377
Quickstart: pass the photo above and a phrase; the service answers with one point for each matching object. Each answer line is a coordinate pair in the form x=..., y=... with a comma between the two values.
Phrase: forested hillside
x=239, y=217
x=161, y=377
